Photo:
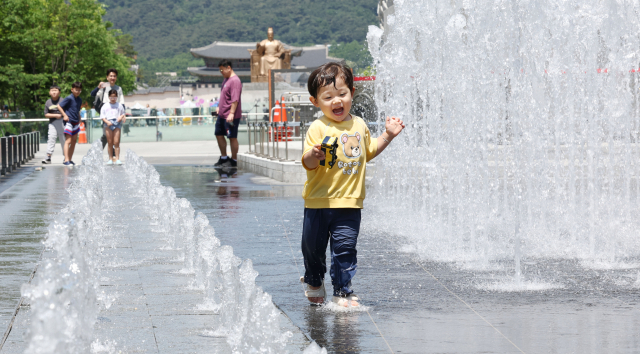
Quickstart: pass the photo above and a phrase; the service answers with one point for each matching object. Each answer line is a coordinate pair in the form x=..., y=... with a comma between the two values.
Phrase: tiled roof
x=313, y=57
x=204, y=71
x=155, y=90
x=224, y=50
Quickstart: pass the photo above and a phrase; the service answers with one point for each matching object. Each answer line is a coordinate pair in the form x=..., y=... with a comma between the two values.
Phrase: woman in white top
x=113, y=116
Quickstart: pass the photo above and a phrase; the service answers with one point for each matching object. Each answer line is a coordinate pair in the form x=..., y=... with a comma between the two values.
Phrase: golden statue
x=268, y=55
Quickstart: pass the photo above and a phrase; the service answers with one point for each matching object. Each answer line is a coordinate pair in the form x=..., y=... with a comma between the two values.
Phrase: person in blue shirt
x=70, y=109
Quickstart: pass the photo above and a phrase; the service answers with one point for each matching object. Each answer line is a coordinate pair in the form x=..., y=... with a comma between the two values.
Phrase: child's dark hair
x=77, y=84
x=326, y=75
x=225, y=63
x=112, y=70
x=113, y=92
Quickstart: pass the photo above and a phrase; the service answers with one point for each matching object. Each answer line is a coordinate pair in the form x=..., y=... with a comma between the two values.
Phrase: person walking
x=229, y=114
x=102, y=96
x=334, y=194
x=113, y=117
x=70, y=109
x=56, y=125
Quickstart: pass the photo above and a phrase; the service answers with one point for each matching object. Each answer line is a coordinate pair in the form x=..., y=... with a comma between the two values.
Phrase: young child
x=70, y=109
x=56, y=126
x=102, y=92
x=113, y=116
x=334, y=196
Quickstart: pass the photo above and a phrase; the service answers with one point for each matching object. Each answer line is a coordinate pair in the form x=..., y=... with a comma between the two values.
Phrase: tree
x=125, y=47
x=355, y=53
x=49, y=42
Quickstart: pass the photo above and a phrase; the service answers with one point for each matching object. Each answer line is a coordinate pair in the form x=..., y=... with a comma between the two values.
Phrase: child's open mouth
x=338, y=111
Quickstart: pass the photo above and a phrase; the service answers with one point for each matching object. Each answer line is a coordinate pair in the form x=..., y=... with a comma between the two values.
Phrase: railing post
x=3, y=155
x=276, y=138
x=255, y=137
x=20, y=156
x=268, y=139
x=262, y=139
x=25, y=143
x=258, y=136
x=9, y=154
x=267, y=126
x=24, y=149
x=18, y=150
x=16, y=163
x=25, y=155
x=30, y=145
x=249, y=133
x=286, y=142
x=38, y=141
x=273, y=139
x=87, y=125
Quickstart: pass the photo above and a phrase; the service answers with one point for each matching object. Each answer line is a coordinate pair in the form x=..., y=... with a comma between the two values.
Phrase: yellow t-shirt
x=343, y=185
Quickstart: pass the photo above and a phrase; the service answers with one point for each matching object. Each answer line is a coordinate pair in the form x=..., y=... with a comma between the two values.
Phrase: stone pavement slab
x=27, y=207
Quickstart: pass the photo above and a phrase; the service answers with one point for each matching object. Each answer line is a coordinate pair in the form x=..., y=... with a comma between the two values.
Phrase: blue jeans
x=341, y=227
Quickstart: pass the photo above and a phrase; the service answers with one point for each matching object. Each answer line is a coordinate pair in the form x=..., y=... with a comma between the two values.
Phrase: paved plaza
x=412, y=306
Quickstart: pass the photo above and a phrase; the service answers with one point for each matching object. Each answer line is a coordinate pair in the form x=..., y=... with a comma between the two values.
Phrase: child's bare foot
x=346, y=301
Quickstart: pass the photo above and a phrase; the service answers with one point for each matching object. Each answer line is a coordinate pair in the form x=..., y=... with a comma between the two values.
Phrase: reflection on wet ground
x=414, y=312
x=26, y=209
x=593, y=311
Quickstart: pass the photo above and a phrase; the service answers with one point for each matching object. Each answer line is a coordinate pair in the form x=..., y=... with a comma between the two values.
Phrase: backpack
x=97, y=102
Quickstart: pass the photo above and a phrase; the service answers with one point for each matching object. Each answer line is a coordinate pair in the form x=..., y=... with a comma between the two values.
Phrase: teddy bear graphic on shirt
x=351, y=145
x=352, y=150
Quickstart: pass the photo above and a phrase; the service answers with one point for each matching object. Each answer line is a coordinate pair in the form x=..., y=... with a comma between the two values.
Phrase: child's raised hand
x=393, y=126
x=317, y=152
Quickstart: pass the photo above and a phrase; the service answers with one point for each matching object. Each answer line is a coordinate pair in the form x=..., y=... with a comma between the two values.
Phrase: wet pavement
x=412, y=306
x=28, y=203
x=148, y=303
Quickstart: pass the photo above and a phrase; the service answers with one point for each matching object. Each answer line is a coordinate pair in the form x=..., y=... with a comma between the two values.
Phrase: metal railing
x=16, y=150
x=267, y=138
x=263, y=134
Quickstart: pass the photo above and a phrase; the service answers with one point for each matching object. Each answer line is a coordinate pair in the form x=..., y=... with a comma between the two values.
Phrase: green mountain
x=164, y=29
